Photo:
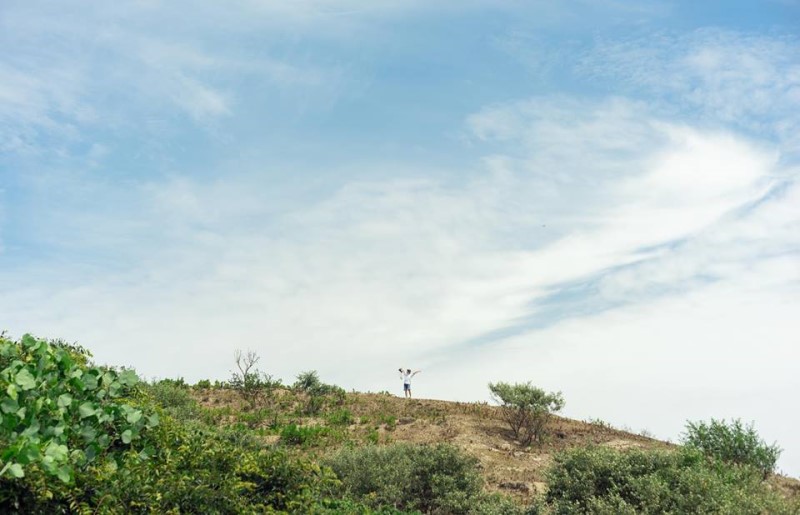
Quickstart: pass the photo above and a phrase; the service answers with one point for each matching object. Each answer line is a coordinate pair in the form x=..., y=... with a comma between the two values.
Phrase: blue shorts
x=406, y=387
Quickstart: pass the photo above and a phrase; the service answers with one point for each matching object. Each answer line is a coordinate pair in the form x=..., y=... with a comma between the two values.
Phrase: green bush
x=59, y=415
x=252, y=385
x=526, y=409
x=605, y=481
x=340, y=417
x=317, y=393
x=174, y=399
x=428, y=478
x=292, y=434
x=82, y=439
x=732, y=442
x=203, y=384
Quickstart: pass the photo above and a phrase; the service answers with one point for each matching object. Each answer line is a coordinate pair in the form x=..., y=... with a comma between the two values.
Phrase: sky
x=601, y=197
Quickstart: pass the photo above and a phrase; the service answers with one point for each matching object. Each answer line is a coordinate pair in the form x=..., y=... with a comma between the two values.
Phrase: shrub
x=174, y=399
x=428, y=478
x=317, y=392
x=82, y=439
x=526, y=409
x=252, y=384
x=59, y=415
x=732, y=442
x=308, y=382
x=340, y=417
x=203, y=384
x=601, y=480
x=293, y=434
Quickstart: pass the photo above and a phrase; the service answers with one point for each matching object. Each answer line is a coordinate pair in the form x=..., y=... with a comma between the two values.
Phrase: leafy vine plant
x=60, y=413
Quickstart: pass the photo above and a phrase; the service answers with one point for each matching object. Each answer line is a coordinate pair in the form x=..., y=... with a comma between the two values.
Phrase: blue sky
x=601, y=197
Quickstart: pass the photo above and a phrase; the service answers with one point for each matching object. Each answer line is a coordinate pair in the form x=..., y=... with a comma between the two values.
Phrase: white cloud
x=387, y=268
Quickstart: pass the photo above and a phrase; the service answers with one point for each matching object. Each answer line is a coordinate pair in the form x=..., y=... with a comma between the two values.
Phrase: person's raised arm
x=416, y=372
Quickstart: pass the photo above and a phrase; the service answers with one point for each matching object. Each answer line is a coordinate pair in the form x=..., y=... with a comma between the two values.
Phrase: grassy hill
x=76, y=437
x=476, y=428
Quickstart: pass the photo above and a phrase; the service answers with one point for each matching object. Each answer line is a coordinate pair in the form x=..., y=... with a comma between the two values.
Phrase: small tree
x=316, y=391
x=252, y=384
x=526, y=409
x=732, y=442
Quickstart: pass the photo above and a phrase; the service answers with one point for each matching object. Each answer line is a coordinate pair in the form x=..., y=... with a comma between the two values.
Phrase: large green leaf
x=64, y=473
x=90, y=381
x=11, y=390
x=9, y=406
x=15, y=470
x=133, y=416
x=25, y=379
x=128, y=378
x=64, y=400
x=87, y=409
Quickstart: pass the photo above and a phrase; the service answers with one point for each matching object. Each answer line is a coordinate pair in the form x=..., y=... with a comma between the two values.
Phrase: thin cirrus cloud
x=750, y=81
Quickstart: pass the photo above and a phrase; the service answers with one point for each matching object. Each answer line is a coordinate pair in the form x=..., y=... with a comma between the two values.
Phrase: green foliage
x=308, y=382
x=431, y=479
x=251, y=384
x=59, y=414
x=350, y=507
x=373, y=436
x=293, y=434
x=526, y=409
x=388, y=420
x=732, y=442
x=203, y=384
x=604, y=481
x=317, y=393
x=98, y=431
x=178, y=382
x=173, y=398
x=340, y=417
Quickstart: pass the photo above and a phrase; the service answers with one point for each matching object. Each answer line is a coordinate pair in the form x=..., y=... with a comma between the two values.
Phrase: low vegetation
x=526, y=409
x=601, y=480
x=424, y=478
x=81, y=438
x=732, y=442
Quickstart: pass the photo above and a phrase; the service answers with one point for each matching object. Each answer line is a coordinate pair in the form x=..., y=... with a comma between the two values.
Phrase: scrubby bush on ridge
x=526, y=409
x=732, y=442
x=252, y=384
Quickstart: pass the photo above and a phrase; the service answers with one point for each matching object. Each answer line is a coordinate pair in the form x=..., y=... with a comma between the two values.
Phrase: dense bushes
x=431, y=479
x=526, y=409
x=79, y=438
x=732, y=442
x=600, y=480
x=59, y=415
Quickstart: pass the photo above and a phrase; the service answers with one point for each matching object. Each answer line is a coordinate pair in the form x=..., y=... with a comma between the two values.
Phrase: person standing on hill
x=406, y=377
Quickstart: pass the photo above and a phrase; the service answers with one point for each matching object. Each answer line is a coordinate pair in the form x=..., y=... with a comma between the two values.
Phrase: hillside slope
x=476, y=428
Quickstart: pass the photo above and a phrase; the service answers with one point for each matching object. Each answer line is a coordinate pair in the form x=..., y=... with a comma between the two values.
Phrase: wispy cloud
x=747, y=80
